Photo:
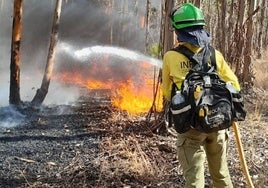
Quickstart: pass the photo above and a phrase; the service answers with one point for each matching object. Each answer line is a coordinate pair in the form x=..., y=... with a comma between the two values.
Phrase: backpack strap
x=174, y=89
x=213, y=57
x=191, y=55
x=187, y=52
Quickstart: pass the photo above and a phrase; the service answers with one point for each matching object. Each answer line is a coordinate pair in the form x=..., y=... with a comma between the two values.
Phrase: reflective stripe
x=184, y=109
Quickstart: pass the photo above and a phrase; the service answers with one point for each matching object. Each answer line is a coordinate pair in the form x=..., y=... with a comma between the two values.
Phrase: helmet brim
x=185, y=24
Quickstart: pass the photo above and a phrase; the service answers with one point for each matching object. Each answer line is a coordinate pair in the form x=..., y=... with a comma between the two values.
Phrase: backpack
x=204, y=102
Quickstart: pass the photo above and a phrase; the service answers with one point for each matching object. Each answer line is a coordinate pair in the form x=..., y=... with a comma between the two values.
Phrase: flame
x=95, y=84
x=134, y=100
x=134, y=95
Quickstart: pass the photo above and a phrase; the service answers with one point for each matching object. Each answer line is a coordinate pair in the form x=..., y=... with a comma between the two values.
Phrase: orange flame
x=134, y=100
x=130, y=95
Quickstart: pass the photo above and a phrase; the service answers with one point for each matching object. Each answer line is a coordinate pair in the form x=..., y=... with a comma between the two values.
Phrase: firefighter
x=193, y=147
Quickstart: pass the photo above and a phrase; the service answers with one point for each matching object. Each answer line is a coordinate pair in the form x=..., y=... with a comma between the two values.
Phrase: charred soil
x=91, y=144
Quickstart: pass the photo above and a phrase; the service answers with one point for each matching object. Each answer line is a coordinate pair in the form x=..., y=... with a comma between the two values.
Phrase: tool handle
x=241, y=154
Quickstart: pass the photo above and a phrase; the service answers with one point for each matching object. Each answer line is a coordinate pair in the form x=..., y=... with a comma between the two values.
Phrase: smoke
x=104, y=63
x=10, y=117
x=84, y=24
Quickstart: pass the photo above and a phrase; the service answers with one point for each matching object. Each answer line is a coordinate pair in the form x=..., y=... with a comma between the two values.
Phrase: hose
x=241, y=154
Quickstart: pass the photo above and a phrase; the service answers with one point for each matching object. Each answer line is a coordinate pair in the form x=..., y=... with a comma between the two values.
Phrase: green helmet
x=186, y=15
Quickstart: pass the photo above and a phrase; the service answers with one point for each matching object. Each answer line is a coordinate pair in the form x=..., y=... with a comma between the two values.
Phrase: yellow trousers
x=193, y=147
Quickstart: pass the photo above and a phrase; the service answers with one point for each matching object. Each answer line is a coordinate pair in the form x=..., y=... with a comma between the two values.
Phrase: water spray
x=88, y=52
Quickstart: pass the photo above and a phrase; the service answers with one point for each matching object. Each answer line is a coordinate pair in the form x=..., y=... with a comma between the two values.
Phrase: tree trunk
x=109, y=12
x=239, y=39
x=14, y=96
x=42, y=92
x=208, y=18
x=167, y=33
x=218, y=25
x=265, y=38
x=230, y=36
x=147, y=25
x=247, y=72
x=223, y=27
x=261, y=29
x=197, y=3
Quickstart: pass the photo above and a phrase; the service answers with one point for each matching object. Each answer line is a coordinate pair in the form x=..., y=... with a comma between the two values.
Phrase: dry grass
x=254, y=137
x=125, y=158
x=261, y=71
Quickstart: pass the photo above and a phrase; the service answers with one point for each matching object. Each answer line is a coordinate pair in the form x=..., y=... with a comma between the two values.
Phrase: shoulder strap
x=213, y=57
x=174, y=88
x=187, y=52
x=190, y=55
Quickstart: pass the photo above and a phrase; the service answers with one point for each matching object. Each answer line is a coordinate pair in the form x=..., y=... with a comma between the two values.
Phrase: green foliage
x=155, y=50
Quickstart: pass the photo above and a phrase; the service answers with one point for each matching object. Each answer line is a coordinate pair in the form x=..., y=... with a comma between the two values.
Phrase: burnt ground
x=91, y=144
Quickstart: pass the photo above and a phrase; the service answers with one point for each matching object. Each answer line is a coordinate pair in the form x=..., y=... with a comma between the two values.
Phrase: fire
x=134, y=95
x=95, y=84
x=134, y=100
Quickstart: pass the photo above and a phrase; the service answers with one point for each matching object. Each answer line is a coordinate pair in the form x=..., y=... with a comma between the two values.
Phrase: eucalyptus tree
x=42, y=92
x=14, y=95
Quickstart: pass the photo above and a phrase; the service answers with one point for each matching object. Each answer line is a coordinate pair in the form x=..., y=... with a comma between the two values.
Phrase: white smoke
x=10, y=117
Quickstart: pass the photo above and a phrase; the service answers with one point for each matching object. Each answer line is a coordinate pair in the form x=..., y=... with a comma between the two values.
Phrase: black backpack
x=204, y=102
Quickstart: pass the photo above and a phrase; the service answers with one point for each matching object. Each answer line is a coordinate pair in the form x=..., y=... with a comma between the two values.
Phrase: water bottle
x=178, y=98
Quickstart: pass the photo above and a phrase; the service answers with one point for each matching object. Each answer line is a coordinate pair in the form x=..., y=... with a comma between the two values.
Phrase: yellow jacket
x=176, y=66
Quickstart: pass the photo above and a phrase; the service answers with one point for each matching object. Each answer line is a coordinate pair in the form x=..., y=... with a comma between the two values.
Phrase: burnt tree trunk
x=42, y=92
x=14, y=95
